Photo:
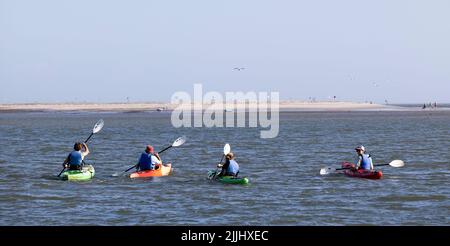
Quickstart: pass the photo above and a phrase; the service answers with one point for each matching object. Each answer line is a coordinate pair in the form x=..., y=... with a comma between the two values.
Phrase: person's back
x=148, y=160
x=74, y=160
x=145, y=162
x=365, y=162
x=231, y=167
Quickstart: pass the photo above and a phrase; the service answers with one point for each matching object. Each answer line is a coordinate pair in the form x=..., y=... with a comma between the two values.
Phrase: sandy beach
x=154, y=106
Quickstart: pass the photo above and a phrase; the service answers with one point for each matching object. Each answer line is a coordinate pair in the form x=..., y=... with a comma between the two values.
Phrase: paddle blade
x=98, y=126
x=326, y=170
x=179, y=141
x=211, y=175
x=226, y=149
x=396, y=163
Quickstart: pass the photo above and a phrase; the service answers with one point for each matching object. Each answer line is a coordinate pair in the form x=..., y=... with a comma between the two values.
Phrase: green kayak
x=228, y=179
x=86, y=173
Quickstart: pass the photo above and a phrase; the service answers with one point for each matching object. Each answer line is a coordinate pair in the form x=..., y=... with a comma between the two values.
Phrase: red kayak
x=160, y=170
x=361, y=173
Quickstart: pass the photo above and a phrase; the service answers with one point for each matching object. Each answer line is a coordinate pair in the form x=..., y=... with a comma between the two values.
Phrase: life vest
x=145, y=162
x=366, y=162
x=75, y=158
x=233, y=167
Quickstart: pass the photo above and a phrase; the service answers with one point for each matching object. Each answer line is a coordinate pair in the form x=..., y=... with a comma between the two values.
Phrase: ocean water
x=285, y=186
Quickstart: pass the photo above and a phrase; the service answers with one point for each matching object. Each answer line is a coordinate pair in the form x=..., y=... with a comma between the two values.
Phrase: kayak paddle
x=329, y=170
x=226, y=150
x=178, y=142
x=98, y=126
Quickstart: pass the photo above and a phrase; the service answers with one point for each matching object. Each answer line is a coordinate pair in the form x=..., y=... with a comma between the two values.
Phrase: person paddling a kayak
x=230, y=167
x=74, y=160
x=149, y=159
x=364, y=160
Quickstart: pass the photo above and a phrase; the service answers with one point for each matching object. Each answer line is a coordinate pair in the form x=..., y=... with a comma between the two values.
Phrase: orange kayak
x=160, y=170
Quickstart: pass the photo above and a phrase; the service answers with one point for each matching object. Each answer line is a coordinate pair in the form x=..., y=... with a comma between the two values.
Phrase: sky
x=114, y=51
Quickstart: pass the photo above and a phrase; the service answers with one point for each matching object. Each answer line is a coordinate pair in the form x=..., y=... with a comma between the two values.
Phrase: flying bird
x=239, y=68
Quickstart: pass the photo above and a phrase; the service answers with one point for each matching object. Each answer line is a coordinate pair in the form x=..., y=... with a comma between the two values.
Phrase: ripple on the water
x=32, y=197
x=285, y=185
x=124, y=211
x=411, y=198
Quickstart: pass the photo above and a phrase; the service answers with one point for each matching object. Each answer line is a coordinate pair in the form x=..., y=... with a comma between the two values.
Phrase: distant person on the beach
x=74, y=160
x=230, y=167
x=424, y=106
x=149, y=159
x=364, y=160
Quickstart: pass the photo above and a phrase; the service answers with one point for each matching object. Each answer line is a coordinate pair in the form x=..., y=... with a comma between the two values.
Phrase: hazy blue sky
x=106, y=51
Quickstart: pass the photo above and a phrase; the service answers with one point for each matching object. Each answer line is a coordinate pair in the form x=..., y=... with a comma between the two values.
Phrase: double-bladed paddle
x=98, y=126
x=329, y=170
x=178, y=142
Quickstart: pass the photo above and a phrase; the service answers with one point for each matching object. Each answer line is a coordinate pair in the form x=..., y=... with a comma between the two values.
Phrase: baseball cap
x=360, y=148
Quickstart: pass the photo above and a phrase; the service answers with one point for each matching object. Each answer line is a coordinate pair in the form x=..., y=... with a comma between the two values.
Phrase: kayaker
x=149, y=159
x=364, y=160
x=74, y=160
x=230, y=167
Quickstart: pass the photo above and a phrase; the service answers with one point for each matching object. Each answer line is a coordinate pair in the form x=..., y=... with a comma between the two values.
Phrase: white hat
x=361, y=148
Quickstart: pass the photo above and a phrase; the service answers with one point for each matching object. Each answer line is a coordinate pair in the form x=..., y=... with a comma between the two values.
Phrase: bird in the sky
x=239, y=68
x=375, y=84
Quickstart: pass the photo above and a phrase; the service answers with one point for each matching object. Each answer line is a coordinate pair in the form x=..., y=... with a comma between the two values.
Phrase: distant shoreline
x=290, y=106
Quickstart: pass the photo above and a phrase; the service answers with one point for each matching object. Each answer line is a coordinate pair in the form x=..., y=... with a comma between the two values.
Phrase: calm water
x=285, y=189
